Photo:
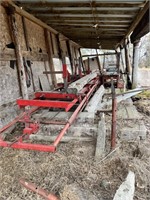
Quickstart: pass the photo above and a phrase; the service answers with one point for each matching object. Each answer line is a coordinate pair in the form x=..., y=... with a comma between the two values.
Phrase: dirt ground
x=74, y=163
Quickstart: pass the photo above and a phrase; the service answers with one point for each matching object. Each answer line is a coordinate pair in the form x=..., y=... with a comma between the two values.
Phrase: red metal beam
x=114, y=111
x=28, y=146
x=47, y=103
x=17, y=119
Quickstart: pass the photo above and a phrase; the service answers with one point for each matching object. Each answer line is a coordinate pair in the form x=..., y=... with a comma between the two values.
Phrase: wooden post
x=135, y=63
x=50, y=58
x=25, y=33
x=82, y=61
x=128, y=64
x=19, y=59
x=118, y=61
x=70, y=54
x=98, y=63
x=104, y=62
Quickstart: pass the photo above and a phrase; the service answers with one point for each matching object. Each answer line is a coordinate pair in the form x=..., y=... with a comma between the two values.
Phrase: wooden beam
x=18, y=52
x=95, y=100
x=135, y=22
x=48, y=19
x=99, y=54
x=76, y=86
x=50, y=58
x=37, y=137
x=106, y=12
x=79, y=4
x=142, y=28
x=52, y=72
x=25, y=32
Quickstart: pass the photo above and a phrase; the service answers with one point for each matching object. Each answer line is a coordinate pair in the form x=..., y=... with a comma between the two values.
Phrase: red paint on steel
x=28, y=146
x=40, y=191
x=54, y=95
x=19, y=117
x=65, y=73
x=75, y=113
x=113, y=128
x=45, y=103
x=71, y=104
x=114, y=111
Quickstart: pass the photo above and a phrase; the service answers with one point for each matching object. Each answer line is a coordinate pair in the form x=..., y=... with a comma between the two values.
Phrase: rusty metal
x=114, y=110
x=31, y=186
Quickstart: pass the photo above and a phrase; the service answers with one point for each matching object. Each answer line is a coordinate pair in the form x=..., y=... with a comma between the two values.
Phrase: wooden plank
x=92, y=106
x=101, y=139
x=37, y=137
x=99, y=54
x=59, y=12
x=53, y=72
x=80, y=4
x=76, y=86
x=44, y=82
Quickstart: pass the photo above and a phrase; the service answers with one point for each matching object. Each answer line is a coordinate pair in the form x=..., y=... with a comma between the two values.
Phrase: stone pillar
x=135, y=63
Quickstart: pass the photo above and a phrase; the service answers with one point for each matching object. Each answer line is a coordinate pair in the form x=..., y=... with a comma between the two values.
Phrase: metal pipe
x=40, y=191
x=114, y=110
x=75, y=113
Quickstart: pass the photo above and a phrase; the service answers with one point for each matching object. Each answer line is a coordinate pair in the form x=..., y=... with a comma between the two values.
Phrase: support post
x=70, y=54
x=25, y=33
x=104, y=61
x=81, y=60
x=65, y=73
x=18, y=52
x=135, y=63
x=98, y=63
x=114, y=110
x=128, y=64
x=50, y=58
x=118, y=61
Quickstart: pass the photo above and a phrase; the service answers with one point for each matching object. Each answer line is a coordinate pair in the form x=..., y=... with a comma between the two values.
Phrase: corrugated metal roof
x=87, y=22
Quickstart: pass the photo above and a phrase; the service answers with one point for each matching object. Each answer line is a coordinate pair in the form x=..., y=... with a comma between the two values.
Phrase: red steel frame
x=43, y=99
x=19, y=144
x=47, y=103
